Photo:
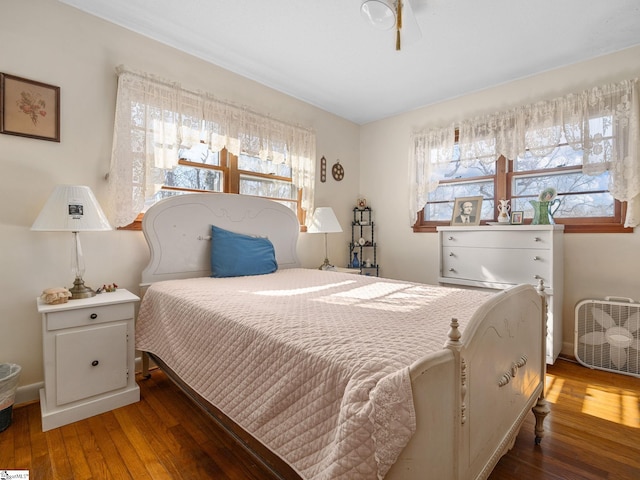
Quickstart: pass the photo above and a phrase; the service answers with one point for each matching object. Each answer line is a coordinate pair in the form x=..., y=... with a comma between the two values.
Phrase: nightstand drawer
x=91, y=361
x=89, y=316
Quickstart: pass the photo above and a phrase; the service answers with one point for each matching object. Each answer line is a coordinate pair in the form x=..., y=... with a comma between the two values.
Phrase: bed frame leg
x=145, y=366
x=540, y=410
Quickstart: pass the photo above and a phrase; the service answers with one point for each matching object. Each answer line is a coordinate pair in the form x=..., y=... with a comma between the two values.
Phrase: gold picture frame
x=29, y=108
x=467, y=211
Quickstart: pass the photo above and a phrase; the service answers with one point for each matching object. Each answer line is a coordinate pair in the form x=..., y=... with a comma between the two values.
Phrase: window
x=200, y=170
x=583, y=145
x=586, y=205
x=166, y=140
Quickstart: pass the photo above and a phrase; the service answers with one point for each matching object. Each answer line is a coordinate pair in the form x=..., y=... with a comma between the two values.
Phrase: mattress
x=314, y=364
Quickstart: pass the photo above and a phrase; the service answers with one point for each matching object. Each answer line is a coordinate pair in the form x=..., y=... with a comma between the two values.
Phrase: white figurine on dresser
x=497, y=257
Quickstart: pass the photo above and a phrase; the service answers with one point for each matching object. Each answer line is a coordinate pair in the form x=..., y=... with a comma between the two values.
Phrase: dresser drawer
x=505, y=240
x=89, y=316
x=497, y=265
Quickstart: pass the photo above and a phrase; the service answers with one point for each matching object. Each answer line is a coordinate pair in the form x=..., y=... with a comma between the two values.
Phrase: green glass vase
x=543, y=212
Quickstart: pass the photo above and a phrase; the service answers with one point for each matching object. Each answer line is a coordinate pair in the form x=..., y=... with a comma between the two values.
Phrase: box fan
x=607, y=335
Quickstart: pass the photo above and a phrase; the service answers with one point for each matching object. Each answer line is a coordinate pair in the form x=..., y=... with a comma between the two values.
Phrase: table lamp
x=73, y=208
x=324, y=221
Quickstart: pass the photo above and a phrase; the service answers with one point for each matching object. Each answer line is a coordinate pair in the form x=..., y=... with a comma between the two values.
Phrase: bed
x=329, y=375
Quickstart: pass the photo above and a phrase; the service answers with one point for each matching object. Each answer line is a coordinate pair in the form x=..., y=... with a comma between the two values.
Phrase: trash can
x=9, y=375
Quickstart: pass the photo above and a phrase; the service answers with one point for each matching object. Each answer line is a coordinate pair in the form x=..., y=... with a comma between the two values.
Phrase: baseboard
x=28, y=393
x=567, y=349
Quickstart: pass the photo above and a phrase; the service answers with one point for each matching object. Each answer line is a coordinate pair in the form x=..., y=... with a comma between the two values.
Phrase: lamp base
x=80, y=290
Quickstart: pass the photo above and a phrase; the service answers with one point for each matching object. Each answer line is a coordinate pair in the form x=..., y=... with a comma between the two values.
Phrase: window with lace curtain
x=172, y=141
x=585, y=201
x=585, y=146
x=201, y=170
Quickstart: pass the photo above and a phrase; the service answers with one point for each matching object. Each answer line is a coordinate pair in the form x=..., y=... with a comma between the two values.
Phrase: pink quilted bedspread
x=313, y=364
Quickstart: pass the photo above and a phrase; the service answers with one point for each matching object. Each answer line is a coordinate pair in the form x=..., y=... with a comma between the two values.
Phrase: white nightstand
x=89, y=357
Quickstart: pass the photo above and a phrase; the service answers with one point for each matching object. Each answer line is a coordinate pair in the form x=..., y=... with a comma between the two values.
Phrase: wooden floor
x=593, y=432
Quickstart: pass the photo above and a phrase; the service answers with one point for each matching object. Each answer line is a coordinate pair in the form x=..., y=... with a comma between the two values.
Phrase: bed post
x=541, y=408
x=460, y=384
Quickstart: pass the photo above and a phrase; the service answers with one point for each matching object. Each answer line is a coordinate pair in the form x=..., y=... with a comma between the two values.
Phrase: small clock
x=362, y=241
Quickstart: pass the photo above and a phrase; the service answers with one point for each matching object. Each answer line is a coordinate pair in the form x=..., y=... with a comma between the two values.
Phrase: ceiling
x=324, y=53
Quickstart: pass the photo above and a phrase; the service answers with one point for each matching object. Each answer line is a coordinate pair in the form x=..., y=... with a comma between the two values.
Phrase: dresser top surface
x=499, y=228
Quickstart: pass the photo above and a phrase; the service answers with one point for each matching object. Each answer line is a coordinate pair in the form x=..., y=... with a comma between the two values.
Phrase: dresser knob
x=537, y=239
x=93, y=316
x=452, y=269
x=95, y=363
x=536, y=258
x=537, y=277
x=451, y=254
x=450, y=238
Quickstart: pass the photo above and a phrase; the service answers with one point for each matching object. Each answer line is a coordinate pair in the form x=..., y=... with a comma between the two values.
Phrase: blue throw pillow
x=236, y=255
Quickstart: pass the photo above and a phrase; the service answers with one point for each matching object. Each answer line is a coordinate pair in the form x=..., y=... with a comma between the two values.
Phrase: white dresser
x=89, y=349
x=497, y=257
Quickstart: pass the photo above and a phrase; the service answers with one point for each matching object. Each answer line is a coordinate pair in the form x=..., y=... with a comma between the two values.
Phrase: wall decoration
x=361, y=203
x=337, y=171
x=467, y=211
x=323, y=169
x=29, y=108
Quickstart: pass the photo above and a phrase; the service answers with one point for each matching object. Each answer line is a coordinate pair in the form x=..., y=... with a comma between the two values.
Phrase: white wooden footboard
x=498, y=369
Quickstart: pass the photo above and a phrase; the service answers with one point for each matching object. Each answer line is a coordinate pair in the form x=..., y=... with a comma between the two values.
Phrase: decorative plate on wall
x=337, y=171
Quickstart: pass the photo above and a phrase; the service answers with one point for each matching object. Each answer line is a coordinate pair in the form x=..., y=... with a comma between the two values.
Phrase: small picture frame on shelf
x=467, y=211
x=517, y=218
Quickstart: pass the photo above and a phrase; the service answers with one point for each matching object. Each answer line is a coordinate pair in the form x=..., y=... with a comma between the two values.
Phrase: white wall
x=50, y=42
x=596, y=265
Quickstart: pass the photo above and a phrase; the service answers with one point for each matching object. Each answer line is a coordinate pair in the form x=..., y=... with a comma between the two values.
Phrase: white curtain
x=604, y=122
x=155, y=118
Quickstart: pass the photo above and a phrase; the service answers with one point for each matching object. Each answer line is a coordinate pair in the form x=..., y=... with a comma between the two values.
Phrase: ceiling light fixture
x=381, y=14
x=384, y=15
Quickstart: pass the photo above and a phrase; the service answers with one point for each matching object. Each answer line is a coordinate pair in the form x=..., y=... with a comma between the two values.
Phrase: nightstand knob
x=95, y=363
x=452, y=269
x=451, y=254
x=93, y=316
x=536, y=258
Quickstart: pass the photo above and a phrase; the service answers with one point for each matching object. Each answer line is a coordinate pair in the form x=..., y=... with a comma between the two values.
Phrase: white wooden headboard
x=178, y=231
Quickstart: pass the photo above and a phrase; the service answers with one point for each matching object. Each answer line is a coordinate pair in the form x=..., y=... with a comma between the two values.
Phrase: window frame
x=231, y=184
x=503, y=181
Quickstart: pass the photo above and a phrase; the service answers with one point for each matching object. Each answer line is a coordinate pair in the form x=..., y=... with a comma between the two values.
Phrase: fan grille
x=607, y=336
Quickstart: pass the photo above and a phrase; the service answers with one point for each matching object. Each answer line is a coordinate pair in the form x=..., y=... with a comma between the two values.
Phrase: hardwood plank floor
x=592, y=432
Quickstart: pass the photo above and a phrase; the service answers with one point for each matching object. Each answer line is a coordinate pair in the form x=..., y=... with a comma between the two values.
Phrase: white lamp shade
x=379, y=13
x=324, y=221
x=71, y=208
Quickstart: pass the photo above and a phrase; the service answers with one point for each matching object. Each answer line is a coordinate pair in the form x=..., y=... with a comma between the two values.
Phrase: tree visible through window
x=585, y=201
x=200, y=170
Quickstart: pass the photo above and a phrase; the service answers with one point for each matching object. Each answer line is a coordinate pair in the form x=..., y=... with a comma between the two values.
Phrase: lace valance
x=603, y=122
x=156, y=117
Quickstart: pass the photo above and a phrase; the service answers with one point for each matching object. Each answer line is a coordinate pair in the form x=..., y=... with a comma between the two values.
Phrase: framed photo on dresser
x=467, y=211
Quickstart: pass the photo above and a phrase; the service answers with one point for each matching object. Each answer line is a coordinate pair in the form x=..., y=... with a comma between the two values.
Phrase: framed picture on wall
x=467, y=211
x=29, y=108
